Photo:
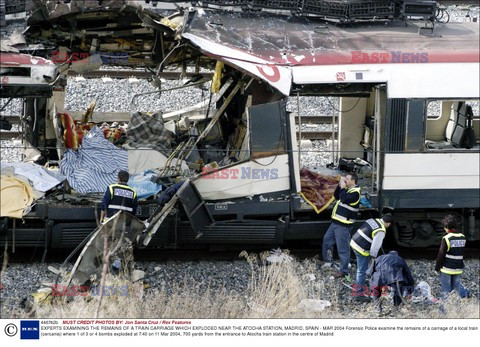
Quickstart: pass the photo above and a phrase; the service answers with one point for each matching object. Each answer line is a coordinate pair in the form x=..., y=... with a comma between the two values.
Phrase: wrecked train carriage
x=388, y=79
x=385, y=86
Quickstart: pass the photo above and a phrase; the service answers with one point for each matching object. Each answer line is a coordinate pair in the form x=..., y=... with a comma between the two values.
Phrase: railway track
x=142, y=74
x=26, y=255
x=9, y=135
x=306, y=135
x=125, y=116
x=315, y=135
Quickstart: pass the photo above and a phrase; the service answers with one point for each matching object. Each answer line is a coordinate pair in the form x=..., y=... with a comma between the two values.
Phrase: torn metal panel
x=87, y=28
x=276, y=49
x=51, y=9
x=24, y=74
x=14, y=60
x=279, y=77
x=195, y=208
x=12, y=43
x=155, y=221
x=264, y=175
x=89, y=264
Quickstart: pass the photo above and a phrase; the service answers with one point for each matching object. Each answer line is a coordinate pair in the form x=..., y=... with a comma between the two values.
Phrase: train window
x=434, y=110
x=475, y=108
x=266, y=130
x=452, y=124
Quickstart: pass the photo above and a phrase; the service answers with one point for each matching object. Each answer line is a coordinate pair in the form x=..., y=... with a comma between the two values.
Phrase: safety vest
x=453, y=264
x=346, y=213
x=122, y=197
x=362, y=239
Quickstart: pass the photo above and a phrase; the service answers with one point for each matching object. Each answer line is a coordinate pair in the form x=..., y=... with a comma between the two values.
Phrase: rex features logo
x=29, y=330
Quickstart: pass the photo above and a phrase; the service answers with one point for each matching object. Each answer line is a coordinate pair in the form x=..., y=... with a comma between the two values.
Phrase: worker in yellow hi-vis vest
x=450, y=259
x=119, y=197
x=344, y=214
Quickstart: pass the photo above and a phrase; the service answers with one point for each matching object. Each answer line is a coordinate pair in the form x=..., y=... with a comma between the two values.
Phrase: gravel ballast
x=232, y=277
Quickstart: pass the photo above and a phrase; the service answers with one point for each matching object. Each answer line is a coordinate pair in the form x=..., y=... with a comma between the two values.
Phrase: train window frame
x=476, y=112
x=259, y=115
x=473, y=102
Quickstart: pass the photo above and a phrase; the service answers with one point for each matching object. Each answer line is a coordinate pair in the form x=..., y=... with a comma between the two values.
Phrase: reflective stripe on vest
x=453, y=264
x=359, y=249
x=120, y=207
x=346, y=213
x=348, y=207
x=362, y=239
x=454, y=256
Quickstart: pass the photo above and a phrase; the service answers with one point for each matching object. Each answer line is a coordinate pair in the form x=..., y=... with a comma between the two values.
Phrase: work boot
x=362, y=298
x=378, y=305
x=339, y=274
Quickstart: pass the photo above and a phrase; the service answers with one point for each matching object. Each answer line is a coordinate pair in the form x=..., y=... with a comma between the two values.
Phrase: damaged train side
x=228, y=172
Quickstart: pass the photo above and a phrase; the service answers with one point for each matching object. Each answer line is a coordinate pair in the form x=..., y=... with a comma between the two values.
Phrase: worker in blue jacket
x=392, y=271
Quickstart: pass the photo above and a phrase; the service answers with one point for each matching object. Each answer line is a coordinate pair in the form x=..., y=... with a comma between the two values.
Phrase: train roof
x=284, y=50
x=287, y=51
x=291, y=41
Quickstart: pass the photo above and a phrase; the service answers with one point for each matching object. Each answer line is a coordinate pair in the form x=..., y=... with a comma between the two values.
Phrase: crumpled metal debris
x=122, y=230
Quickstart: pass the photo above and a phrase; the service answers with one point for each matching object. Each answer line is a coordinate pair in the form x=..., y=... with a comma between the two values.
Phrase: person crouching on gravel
x=390, y=270
x=450, y=259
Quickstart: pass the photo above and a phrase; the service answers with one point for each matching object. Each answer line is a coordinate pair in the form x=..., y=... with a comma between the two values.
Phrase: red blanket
x=317, y=189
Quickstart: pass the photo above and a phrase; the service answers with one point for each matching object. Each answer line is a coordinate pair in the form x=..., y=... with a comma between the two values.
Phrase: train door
x=361, y=119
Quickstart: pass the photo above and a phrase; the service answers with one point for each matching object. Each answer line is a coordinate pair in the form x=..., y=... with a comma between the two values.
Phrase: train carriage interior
x=238, y=139
x=452, y=125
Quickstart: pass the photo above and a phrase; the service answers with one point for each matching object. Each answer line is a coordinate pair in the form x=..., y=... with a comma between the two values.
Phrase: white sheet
x=41, y=180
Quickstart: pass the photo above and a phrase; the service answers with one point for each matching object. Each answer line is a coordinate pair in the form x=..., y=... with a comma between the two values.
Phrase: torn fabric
x=142, y=184
x=142, y=159
x=148, y=131
x=38, y=175
x=318, y=189
x=95, y=165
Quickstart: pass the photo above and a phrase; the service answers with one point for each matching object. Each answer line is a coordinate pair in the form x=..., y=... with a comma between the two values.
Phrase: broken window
x=267, y=129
